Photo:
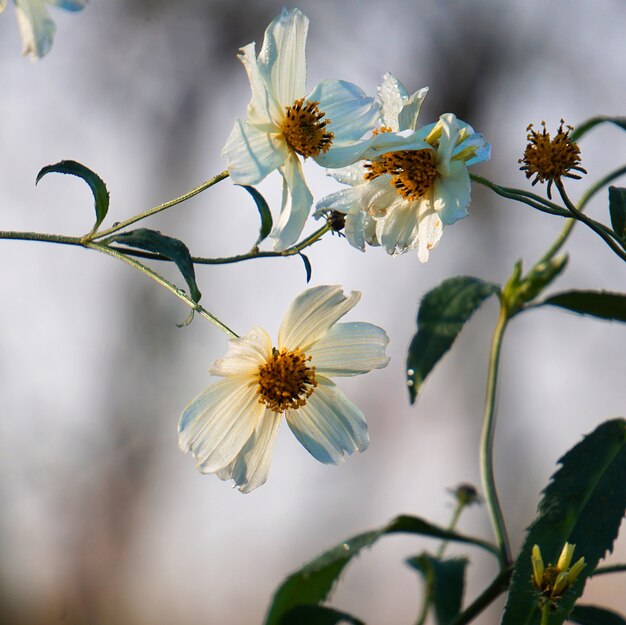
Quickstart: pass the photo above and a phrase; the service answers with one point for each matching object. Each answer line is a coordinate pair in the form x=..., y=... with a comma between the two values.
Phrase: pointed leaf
x=307, y=266
x=313, y=583
x=264, y=213
x=594, y=615
x=586, y=126
x=601, y=304
x=317, y=615
x=584, y=505
x=445, y=584
x=97, y=186
x=442, y=314
x=617, y=209
x=169, y=247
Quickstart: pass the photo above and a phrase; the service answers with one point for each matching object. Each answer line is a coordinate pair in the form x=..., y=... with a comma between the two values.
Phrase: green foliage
x=317, y=615
x=313, y=583
x=97, y=186
x=168, y=247
x=264, y=213
x=586, y=126
x=593, y=615
x=442, y=314
x=601, y=304
x=584, y=505
x=617, y=209
x=307, y=266
x=445, y=584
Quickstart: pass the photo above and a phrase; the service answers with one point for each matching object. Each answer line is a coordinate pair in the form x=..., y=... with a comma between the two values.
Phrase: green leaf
x=601, y=304
x=97, y=186
x=442, y=314
x=313, y=583
x=317, y=615
x=586, y=126
x=584, y=505
x=593, y=615
x=169, y=247
x=264, y=213
x=445, y=584
x=617, y=209
x=307, y=266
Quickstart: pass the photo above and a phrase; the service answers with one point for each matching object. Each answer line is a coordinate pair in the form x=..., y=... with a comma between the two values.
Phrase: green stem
x=613, y=568
x=545, y=614
x=181, y=295
x=40, y=236
x=487, y=440
x=160, y=207
x=488, y=596
x=456, y=515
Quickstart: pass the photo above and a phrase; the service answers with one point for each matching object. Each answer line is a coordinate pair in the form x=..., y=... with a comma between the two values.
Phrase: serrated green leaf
x=96, y=184
x=617, y=209
x=169, y=247
x=586, y=126
x=601, y=304
x=312, y=584
x=317, y=615
x=594, y=615
x=445, y=584
x=264, y=213
x=307, y=266
x=442, y=314
x=583, y=504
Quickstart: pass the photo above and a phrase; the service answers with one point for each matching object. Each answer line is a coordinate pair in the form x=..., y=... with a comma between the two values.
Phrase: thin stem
x=487, y=439
x=613, y=568
x=488, y=596
x=40, y=236
x=160, y=207
x=181, y=295
x=456, y=515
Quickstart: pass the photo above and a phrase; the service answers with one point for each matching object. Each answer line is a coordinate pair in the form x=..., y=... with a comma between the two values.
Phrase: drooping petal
x=251, y=467
x=217, y=424
x=452, y=194
x=36, y=28
x=296, y=204
x=351, y=113
x=329, y=425
x=69, y=5
x=379, y=196
x=282, y=60
x=398, y=231
x=360, y=228
x=245, y=354
x=430, y=231
x=348, y=202
x=350, y=349
x=252, y=154
x=312, y=313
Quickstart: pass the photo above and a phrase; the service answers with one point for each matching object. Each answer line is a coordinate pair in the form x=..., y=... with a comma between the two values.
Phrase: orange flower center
x=304, y=128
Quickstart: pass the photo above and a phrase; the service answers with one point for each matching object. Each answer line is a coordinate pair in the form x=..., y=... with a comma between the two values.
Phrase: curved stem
x=181, y=295
x=487, y=438
x=160, y=207
x=611, y=568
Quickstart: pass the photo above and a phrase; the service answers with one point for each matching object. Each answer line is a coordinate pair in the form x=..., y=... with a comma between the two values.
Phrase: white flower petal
x=398, y=231
x=296, y=204
x=350, y=349
x=430, y=231
x=282, y=59
x=252, y=154
x=312, y=313
x=360, y=228
x=483, y=149
x=391, y=95
x=352, y=174
x=447, y=142
x=217, y=424
x=329, y=425
x=410, y=111
x=452, y=194
x=341, y=201
x=36, y=27
x=251, y=467
x=245, y=354
x=350, y=112
x=379, y=196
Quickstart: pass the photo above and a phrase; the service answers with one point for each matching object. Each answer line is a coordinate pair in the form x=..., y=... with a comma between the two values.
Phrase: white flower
x=402, y=199
x=283, y=122
x=230, y=427
x=36, y=27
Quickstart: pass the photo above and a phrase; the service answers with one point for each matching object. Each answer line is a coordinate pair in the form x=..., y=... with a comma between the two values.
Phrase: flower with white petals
x=403, y=198
x=284, y=122
x=230, y=428
x=36, y=26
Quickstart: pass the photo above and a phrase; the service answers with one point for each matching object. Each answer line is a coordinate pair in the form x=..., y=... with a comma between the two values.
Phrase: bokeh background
x=103, y=520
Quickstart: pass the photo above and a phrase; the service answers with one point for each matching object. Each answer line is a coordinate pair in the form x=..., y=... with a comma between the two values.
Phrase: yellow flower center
x=304, y=128
x=285, y=380
x=413, y=172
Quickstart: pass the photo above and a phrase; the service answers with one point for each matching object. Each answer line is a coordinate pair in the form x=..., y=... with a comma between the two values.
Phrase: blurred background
x=103, y=519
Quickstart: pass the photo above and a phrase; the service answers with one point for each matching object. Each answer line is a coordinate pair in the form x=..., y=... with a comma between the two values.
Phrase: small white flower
x=284, y=123
x=230, y=428
x=402, y=199
x=36, y=27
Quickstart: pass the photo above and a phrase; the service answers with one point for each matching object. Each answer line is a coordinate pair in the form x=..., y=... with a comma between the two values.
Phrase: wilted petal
x=350, y=349
x=245, y=354
x=430, y=231
x=452, y=194
x=398, y=231
x=312, y=313
x=329, y=425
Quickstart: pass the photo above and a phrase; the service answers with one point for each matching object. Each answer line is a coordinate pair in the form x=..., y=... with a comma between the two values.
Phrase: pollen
x=304, y=128
x=413, y=172
x=551, y=159
x=286, y=380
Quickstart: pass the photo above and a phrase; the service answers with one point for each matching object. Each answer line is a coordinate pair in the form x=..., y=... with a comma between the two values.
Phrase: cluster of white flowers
x=36, y=27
